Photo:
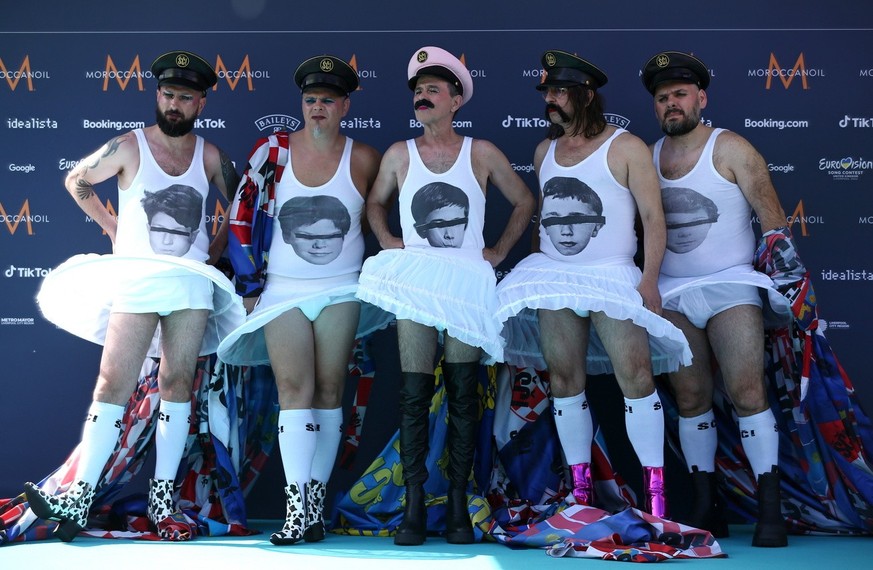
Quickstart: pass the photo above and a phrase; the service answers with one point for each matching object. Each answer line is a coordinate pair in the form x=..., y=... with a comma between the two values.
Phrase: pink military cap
x=435, y=61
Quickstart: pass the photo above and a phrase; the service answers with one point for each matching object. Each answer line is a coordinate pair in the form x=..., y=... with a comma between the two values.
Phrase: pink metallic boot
x=583, y=488
x=655, y=491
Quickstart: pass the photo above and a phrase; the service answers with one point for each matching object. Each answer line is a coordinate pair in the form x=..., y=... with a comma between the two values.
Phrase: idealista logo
x=13, y=76
x=847, y=168
x=12, y=220
x=787, y=75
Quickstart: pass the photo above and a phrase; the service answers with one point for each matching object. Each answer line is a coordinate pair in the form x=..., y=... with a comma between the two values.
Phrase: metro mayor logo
x=787, y=75
x=13, y=76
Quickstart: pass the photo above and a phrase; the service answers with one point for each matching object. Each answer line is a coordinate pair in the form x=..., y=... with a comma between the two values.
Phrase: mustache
x=422, y=103
x=552, y=108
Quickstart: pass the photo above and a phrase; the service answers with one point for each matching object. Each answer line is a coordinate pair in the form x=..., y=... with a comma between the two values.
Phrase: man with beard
x=558, y=292
x=171, y=301
x=432, y=288
x=713, y=294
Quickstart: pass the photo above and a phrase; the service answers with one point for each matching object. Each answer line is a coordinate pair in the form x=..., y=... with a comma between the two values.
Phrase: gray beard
x=685, y=126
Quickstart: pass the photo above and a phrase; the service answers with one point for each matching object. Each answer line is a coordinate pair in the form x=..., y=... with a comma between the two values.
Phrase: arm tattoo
x=228, y=172
x=84, y=189
x=110, y=148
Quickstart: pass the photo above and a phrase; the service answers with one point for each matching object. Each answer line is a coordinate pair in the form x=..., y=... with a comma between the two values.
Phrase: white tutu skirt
x=447, y=290
x=777, y=308
x=539, y=282
x=246, y=346
x=79, y=295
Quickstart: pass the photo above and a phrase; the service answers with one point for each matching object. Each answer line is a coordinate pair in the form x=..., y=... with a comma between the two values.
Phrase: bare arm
x=365, y=168
x=222, y=173
x=642, y=181
x=738, y=161
x=108, y=161
x=382, y=193
x=487, y=158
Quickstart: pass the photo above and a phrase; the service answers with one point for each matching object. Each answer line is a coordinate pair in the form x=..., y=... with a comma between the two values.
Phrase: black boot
x=770, y=530
x=413, y=530
x=416, y=393
x=707, y=509
x=463, y=403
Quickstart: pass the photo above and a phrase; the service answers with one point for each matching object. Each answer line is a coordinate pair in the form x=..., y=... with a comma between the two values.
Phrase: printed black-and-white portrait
x=174, y=216
x=315, y=227
x=440, y=212
x=572, y=214
x=689, y=216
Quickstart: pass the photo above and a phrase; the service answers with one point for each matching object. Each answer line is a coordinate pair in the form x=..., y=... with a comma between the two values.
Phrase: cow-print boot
x=315, y=493
x=169, y=523
x=295, y=518
x=69, y=509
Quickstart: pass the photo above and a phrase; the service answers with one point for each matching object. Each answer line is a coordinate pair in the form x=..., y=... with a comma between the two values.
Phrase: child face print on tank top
x=440, y=212
x=173, y=217
x=689, y=216
x=572, y=214
x=315, y=227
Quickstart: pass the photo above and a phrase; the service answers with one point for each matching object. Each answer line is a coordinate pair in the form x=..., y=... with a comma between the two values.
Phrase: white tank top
x=587, y=216
x=708, y=219
x=317, y=230
x=445, y=211
x=164, y=214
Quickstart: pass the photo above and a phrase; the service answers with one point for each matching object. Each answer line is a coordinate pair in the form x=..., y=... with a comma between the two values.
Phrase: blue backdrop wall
x=796, y=80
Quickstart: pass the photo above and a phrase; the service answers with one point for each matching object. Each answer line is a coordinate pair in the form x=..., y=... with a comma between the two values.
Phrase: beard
x=175, y=129
x=686, y=125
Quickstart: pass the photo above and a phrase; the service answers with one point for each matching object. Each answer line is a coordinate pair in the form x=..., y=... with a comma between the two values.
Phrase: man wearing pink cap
x=438, y=278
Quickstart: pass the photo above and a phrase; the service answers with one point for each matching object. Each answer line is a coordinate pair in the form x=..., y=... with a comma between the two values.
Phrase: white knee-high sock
x=575, y=430
x=297, y=445
x=171, y=437
x=698, y=437
x=99, y=436
x=644, y=422
x=328, y=433
x=760, y=436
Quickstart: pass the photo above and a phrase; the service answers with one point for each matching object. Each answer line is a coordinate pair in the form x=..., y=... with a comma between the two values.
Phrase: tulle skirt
x=776, y=310
x=539, y=282
x=79, y=295
x=247, y=346
x=447, y=290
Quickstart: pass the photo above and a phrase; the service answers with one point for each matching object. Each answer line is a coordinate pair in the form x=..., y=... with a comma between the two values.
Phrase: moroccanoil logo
x=799, y=216
x=13, y=76
x=112, y=74
x=109, y=207
x=362, y=73
x=12, y=220
x=787, y=75
x=473, y=72
x=217, y=217
x=234, y=76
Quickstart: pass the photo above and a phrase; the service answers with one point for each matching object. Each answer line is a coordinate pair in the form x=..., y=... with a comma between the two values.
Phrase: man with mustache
x=591, y=308
x=433, y=288
x=175, y=294
x=713, y=294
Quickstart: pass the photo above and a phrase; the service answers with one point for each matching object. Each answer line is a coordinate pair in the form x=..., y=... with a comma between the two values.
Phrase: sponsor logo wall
x=62, y=99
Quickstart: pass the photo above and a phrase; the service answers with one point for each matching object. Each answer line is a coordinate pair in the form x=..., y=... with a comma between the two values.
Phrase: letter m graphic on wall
x=123, y=79
x=24, y=71
x=787, y=77
x=13, y=221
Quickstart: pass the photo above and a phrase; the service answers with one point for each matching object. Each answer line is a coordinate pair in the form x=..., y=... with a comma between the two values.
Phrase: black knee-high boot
x=463, y=404
x=416, y=394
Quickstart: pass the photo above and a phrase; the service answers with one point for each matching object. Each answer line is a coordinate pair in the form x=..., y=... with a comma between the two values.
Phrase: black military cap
x=562, y=69
x=674, y=66
x=326, y=71
x=184, y=68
